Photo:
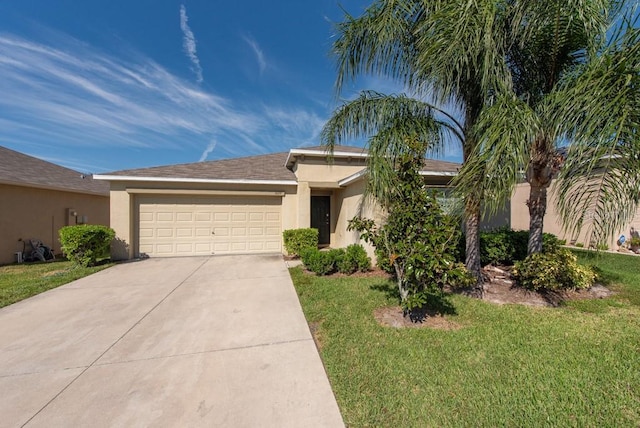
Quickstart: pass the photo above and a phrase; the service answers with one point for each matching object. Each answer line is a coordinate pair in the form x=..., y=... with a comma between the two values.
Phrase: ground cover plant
x=504, y=365
x=20, y=281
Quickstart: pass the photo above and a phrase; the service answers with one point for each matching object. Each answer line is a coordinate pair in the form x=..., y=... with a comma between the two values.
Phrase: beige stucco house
x=38, y=198
x=243, y=205
x=519, y=219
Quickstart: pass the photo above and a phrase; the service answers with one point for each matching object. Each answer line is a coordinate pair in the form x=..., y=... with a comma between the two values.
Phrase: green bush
x=554, y=270
x=355, y=259
x=503, y=246
x=297, y=240
x=322, y=262
x=84, y=244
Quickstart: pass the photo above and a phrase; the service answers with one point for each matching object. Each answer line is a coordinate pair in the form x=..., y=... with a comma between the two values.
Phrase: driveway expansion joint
x=207, y=351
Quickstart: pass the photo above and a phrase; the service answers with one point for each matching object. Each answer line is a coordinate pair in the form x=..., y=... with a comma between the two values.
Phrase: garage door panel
x=203, y=216
x=146, y=217
x=221, y=231
x=184, y=232
x=146, y=232
x=256, y=231
x=175, y=225
x=184, y=217
x=164, y=216
x=164, y=249
x=273, y=216
x=203, y=231
x=184, y=248
x=272, y=231
x=238, y=231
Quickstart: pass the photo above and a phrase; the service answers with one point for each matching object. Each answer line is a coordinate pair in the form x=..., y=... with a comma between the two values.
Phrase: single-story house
x=39, y=197
x=243, y=205
x=519, y=218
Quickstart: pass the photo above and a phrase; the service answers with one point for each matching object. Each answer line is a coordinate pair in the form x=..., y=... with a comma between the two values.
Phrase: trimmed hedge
x=84, y=244
x=296, y=241
x=353, y=258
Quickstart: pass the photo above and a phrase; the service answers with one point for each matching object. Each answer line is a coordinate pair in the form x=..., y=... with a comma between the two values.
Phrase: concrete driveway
x=183, y=342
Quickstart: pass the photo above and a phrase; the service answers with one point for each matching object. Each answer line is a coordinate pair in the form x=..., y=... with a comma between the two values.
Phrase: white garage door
x=188, y=226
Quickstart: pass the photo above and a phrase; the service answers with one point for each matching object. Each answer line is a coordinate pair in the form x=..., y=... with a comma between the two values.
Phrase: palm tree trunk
x=472, y=242
x=537, y=207
x=472, y=202
x=544, y=163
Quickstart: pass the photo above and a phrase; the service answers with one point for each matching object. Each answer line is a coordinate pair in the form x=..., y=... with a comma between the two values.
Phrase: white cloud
x=91, y=98
x=207, y=151
x=262, y=62
x=73, y=97
x=189, y=43
x=295, y=127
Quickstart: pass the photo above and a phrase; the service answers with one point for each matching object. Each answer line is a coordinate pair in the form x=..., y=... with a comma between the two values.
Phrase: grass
x=508, y=365
x=20, y=281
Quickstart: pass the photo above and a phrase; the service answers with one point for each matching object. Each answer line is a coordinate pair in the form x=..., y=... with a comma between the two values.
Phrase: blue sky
x=103, y=85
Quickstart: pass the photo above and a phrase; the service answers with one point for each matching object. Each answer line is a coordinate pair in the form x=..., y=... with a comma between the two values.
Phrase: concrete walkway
x=184, y=342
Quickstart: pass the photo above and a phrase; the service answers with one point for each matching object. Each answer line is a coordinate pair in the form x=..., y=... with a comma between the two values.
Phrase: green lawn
x=19, y=281
x=578, y=365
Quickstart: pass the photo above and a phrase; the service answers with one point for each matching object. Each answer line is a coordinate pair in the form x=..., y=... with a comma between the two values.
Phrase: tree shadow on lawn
x=438, y=304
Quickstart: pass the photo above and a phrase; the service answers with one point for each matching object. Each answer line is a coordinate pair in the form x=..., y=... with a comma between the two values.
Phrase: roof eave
x=337, y=154
x=438, y=173
x=194, y=180
x=54, y=188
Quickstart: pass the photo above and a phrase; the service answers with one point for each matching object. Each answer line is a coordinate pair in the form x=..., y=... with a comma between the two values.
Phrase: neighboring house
x=243, y=205
x=38, y=198
x=552, y=220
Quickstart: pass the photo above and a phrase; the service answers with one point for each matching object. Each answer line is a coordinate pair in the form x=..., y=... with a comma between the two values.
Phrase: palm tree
x=553, y=43
x=599, y=108
x=448, y=51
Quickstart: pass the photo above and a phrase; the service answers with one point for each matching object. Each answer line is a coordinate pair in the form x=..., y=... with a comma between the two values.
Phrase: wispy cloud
x=262, y=62
x=207, y=151
x=72, y=98
x=189, y=43
x=296, y=127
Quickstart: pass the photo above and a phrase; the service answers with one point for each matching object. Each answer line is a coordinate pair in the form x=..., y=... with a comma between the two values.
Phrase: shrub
x=297, y=240
x=84, y=244
x=506, y=246
x=322, y=262
x=554, y=270
x=355, y=259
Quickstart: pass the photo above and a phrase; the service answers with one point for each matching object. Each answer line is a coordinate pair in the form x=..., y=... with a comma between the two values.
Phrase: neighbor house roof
x=23, y=170
x=275, y=168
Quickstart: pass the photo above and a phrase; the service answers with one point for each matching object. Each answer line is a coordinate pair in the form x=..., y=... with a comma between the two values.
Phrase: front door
x=321, y=219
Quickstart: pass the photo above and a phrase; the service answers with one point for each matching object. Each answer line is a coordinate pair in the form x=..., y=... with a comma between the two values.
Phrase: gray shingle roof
x=24, y=170
x=261, y=167
x=433, y=165
x=269, y=167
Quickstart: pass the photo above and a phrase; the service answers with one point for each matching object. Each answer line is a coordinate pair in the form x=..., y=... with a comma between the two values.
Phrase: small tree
x=419, y=240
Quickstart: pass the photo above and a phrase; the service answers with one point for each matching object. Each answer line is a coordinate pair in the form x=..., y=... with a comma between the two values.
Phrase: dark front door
x=320, y=218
